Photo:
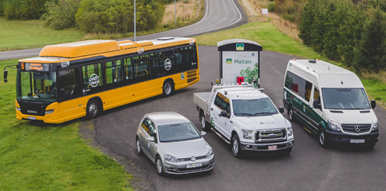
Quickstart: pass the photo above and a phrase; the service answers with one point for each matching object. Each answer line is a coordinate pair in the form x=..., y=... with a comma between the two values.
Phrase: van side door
x=318, y=117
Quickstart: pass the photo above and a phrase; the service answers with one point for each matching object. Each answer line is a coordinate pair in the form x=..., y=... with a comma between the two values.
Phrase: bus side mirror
x=281, y=109
x=5, y=76
x=316, y=105
x=373, y=104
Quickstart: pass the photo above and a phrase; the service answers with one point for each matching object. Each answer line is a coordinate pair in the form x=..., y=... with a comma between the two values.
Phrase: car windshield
x=37, y=86
x=345, y=98
x=253, y=107
x=177, y=132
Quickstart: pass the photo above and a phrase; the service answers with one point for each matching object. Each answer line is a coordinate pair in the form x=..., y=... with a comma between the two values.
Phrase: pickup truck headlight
x=247, y=134
x=210, y=154
x=333, y=125
x=374, y=126
x=290, y=132
x=171, y=158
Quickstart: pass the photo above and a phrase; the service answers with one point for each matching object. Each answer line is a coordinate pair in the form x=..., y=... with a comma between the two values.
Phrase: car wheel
x=159, y=166
x=204, y=124
x=291, y=114
x=139, y=150
x=323, y=141
x=236, y=150
x=168, y=88
x=92, y=109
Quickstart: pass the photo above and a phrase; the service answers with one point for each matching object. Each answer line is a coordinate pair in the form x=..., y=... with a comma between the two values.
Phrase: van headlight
x=171, y=158
x=333, y=125
x=247, y=134
x=374, y=126
x=210, y=154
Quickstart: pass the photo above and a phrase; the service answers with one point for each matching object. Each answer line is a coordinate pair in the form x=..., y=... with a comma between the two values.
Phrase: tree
x=307, y=20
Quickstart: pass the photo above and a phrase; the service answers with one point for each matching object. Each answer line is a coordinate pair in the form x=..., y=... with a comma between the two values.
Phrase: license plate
x=272, y=148
x=194, y=165
x=31, y=118
x=357, y=141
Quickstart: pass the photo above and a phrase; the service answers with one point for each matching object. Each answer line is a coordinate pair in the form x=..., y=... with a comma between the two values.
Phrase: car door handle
x=231, y=121
x=211, y=109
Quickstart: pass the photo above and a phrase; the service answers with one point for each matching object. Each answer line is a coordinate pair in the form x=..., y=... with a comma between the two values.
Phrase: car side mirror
x=316, y=104
x=281, y=109
x=5, y=76
x=151, y=139
x=203, y=133
x=373, y=104
x=224, y=114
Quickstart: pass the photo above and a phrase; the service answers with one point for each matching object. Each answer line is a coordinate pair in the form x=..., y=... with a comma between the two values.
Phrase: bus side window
x=141, y=65
x=166, y=57
x=118, y=71
x=69, y=83
x=92, y=76
x=154, y=60
x=109, y=72
x=128, y=69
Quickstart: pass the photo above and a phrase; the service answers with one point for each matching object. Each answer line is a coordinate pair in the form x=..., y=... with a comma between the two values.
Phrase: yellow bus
x=73, y=80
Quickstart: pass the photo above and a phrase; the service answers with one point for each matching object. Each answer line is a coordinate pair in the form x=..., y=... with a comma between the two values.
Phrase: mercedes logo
x=193, y=158
x=357, y=128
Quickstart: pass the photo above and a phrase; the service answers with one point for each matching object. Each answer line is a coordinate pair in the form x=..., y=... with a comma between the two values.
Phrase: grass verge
x=271, y=39
x=36, y=156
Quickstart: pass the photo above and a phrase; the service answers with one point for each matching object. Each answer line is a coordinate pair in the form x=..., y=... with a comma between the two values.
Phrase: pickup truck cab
x=246, y=118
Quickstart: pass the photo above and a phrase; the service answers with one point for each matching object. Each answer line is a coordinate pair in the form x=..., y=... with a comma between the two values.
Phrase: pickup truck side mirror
x=317, y=105
x=281, y=109
x=373, y=104
x=224, y=114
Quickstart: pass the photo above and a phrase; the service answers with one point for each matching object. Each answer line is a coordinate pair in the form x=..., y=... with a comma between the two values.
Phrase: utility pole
x=175, y=11
x=135, y=20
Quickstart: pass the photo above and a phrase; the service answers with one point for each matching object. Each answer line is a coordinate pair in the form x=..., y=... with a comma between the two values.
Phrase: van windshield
x=345, y=98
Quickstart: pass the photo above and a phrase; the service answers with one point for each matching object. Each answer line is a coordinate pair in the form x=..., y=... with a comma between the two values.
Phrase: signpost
x=265, y=12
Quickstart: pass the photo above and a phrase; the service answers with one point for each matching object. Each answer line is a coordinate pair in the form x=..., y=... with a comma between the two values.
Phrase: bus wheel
x=92, y=109
x=168, y=88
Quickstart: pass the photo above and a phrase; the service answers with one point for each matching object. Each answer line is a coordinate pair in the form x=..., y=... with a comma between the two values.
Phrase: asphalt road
x=219, y=14
x=308, y=167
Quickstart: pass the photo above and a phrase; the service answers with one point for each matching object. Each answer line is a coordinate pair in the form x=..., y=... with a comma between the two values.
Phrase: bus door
x=70, y=89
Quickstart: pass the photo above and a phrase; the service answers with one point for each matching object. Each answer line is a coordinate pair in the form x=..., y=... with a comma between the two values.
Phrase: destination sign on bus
x=35, y=66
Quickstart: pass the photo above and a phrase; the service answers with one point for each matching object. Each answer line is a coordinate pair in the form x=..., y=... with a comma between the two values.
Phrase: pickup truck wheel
x=204, y=124
x=236, y=151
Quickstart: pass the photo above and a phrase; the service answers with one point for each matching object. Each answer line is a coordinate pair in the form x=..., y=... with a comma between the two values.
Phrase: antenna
x=341, y=77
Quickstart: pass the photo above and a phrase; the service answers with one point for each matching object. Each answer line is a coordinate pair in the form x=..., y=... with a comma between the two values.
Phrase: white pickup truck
x=246, y=118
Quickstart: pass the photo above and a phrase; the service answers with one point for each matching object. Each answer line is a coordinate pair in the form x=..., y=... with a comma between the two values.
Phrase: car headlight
x=210, y=154
x=374, y=126
x=333, y=126
x=50, y=111
x=171, y=158
x=290, y=132
x=247, y=134
x=18, y=108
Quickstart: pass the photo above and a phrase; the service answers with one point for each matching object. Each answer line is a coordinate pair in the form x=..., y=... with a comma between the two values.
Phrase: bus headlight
x=18, y=108
x=333, y=126
x=247, y=134
x=50, y=111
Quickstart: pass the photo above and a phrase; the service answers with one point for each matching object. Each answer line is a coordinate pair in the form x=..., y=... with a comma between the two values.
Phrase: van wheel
x=204, y=124
x=236, y=150
x=92, y=109
x=167, y=88
x=323, y=140
x=291, y=115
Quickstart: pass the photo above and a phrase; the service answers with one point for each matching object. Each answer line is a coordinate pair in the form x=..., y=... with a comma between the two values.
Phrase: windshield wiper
x=264, y=113
x=247, y=114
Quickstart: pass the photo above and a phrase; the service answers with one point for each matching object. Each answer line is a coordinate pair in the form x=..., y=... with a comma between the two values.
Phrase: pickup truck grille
x=270, y=135
x=356, y=128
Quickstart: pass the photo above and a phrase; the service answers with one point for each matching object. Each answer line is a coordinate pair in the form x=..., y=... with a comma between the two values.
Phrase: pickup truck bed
x=202, y=100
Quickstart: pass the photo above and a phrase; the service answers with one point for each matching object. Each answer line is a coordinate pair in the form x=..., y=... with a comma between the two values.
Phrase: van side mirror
x=5, y=76
x=317, y=105
x=373, y=104
x=224, y=114
x=281, y=109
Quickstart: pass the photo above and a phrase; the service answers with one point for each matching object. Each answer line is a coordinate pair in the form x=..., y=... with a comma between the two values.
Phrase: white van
x=331, y=102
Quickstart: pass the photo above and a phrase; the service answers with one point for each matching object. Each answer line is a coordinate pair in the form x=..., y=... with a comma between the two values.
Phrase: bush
x=61, y=15
x=1, y=8
x=23, y=9
x=271, y=7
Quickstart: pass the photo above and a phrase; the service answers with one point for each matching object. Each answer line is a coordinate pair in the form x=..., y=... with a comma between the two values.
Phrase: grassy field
x=32, y=34
x=36, y=156
x=271, y=39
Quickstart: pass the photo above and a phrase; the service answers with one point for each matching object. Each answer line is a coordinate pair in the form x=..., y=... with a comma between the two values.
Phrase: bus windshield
x=36, y=86
x=345, y=98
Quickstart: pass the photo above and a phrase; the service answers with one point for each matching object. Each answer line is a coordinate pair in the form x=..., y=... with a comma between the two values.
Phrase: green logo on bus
x=239, y=46
x=228, y=61
x=182, y=76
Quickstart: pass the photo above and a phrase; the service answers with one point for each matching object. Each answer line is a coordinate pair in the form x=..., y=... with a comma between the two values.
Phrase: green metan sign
x=239, y=46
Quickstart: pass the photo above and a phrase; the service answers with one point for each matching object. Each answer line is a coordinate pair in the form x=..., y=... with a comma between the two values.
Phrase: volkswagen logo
x=193, y=158
x=357, y=128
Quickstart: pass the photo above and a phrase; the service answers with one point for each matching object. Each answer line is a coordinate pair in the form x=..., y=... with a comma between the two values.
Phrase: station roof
x=230, y=45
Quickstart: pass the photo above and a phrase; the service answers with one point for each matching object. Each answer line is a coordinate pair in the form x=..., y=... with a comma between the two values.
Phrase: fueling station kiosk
x=239, y=61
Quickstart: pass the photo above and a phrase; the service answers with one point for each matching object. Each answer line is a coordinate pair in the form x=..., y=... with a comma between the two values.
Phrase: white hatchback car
x=174, y=144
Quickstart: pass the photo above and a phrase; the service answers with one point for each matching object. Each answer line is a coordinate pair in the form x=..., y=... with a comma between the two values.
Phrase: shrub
x=61, y=15
x=23, y=9
x=271, y=7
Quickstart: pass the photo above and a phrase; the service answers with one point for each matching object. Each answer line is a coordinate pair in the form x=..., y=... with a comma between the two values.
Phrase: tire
x=138, y=144
x=167, y=88
x=159, y=166
x=92, y=109
x=323, y=141
x=236, y=151
x=291, y=114
x=204, y=124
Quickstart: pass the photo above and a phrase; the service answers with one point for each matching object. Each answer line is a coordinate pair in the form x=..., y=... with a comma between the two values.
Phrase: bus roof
x=107, y=48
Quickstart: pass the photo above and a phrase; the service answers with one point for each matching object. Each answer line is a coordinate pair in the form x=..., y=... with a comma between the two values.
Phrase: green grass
x=32, y=34
x=36, y=156
x=271, y=39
